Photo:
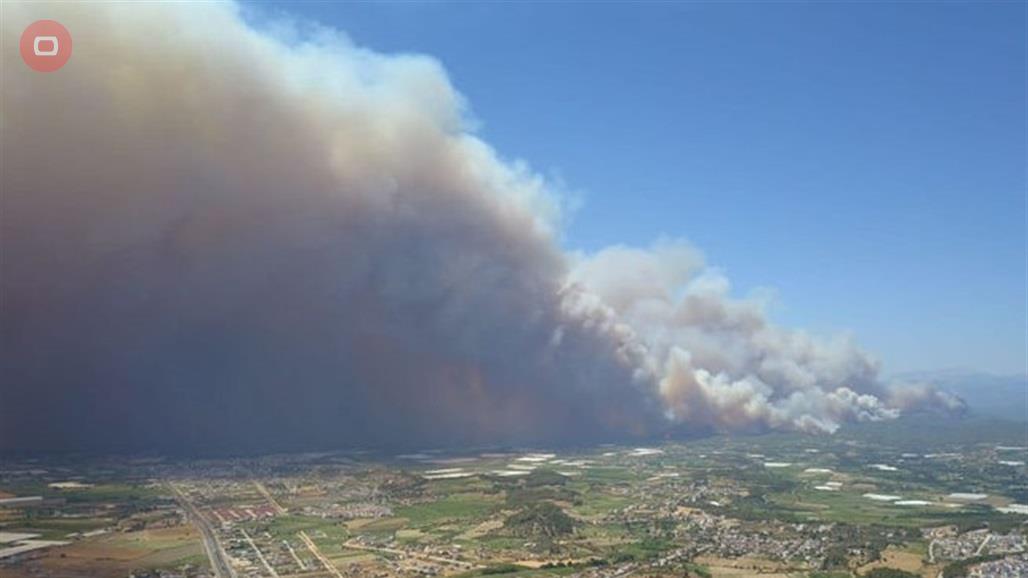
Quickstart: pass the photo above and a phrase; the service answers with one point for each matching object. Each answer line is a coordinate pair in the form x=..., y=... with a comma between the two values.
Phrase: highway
x=219, y=559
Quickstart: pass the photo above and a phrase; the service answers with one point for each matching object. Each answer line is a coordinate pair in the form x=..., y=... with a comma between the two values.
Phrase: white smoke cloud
x=720, y=364
x=723, y=365
x=259, y=237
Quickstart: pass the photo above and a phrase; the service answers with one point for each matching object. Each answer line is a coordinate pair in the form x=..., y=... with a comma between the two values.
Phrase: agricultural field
x=777, y=505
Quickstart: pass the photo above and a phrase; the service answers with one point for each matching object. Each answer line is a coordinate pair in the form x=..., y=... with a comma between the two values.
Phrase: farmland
x=844, y=505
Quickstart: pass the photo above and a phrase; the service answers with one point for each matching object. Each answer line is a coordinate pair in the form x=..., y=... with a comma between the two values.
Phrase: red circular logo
x=45, y=45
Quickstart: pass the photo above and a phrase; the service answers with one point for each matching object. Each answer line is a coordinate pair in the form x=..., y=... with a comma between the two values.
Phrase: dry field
x=903, y=560
x=115, y=555
x=745, y=566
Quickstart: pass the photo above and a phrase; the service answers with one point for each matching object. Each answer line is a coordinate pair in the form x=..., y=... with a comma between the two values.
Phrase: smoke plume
x=230, y=236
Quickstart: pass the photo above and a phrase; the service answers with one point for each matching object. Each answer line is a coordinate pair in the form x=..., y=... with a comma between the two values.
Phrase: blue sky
x=864, y=160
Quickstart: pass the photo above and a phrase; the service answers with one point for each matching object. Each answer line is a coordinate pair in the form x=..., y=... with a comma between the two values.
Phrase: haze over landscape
x=269, y=237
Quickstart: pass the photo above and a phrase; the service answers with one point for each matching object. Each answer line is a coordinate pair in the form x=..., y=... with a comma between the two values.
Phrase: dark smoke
x=214, y=239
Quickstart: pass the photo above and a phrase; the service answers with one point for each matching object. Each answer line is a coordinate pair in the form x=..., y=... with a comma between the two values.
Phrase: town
x=772, y=505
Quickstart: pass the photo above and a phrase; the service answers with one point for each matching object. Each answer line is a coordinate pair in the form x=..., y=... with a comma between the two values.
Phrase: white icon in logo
x=54, y=49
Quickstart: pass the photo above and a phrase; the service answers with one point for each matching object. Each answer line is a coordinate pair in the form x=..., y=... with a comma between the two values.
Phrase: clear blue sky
x=865, y=160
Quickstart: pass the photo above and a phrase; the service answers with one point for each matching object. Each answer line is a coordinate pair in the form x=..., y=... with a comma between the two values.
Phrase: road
x=260, y=556
x=267, y=496
x=299, y=561
x=981, y=546
x=317, y=554
x=459, y=563
x=219, y=559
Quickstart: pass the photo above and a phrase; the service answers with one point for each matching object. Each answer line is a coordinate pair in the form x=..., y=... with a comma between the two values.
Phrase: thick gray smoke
x=221, y=237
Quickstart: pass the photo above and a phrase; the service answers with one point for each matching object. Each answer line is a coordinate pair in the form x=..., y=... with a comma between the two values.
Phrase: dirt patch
x=482, y=529
x=113, y=554
x=902, y=560
x=729, y=572
x=744, y=566
x=377, y=524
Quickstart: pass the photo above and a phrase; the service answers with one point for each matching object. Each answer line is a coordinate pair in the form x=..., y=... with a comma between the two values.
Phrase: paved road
x=267, y=496
x=217, y=556
x=317, y=554
x=981, y=546
x=269, y=567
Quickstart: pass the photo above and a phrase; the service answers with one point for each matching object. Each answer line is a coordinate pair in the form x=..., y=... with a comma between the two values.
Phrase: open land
x=914, y=497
